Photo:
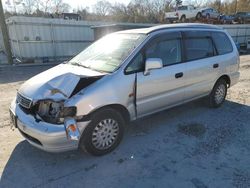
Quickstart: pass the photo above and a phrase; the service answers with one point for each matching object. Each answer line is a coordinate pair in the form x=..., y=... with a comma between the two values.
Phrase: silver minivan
x=86, y=102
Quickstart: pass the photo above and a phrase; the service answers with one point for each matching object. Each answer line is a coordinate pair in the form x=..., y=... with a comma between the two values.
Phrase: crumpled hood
x=56, y=83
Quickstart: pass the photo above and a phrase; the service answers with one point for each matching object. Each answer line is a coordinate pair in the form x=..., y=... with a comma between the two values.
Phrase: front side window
x=198, y=48
x=222, y=43
x=107, y=54
x=136, y=65
x=168, y=51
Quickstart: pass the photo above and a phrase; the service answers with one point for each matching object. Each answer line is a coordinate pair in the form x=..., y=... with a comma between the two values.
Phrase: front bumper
x=46, y=136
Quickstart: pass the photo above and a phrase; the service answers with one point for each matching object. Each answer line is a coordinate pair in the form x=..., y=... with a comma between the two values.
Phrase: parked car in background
x=182, y=13
x=227, y=19
x=242, y=17
x=86, y=102
x=210, y=13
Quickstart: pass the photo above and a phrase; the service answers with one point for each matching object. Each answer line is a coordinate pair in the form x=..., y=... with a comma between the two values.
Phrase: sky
x=74, y=4
x=89, y=3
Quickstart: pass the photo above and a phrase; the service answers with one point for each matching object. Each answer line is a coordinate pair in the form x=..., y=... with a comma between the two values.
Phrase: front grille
x=23, y=101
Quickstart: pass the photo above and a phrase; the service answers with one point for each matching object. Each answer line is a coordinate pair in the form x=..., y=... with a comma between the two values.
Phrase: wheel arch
x=226, y=78
x=183, y=15
x=199, y=13
x=118, y=107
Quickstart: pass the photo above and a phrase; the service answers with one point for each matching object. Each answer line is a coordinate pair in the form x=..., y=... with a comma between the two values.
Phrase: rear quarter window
x=222, y=43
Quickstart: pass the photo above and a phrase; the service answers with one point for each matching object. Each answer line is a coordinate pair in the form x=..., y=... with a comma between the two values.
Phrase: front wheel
x=104, y=133
x=218, y=94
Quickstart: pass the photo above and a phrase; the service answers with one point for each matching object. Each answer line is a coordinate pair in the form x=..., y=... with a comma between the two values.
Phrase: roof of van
x=171, y=26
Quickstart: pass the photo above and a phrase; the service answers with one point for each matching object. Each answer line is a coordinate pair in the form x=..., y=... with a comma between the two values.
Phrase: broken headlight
x=54, y=112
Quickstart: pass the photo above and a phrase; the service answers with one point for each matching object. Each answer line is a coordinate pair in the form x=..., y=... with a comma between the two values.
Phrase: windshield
x=107, y=54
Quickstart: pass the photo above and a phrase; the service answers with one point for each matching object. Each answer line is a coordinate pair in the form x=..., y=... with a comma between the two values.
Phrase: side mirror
x=152, y=63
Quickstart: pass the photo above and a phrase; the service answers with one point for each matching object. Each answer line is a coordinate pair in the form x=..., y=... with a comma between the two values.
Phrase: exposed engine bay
x=50, y=111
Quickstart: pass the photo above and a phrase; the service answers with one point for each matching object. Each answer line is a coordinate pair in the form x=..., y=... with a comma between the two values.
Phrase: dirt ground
x=188, y=146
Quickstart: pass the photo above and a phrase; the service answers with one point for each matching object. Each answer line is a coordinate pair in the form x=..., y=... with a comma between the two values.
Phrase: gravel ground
x=187, y=146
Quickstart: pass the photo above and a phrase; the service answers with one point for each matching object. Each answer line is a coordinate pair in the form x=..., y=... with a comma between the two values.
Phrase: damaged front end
x=56, y=113
x=44, y=97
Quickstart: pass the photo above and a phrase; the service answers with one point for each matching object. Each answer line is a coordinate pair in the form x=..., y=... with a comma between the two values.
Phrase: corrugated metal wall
x=34, y=38
x=57, y=39
x=239, y=33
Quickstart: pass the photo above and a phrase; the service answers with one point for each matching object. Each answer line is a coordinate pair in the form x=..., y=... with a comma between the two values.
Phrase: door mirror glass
x=152, y=63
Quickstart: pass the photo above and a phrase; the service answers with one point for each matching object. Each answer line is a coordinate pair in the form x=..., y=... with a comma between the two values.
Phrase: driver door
x=164, y=87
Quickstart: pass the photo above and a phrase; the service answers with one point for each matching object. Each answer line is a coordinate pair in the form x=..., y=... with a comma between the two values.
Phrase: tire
x=183, y=18
x=105, y=123
x=208, y=16
x=198, y=16
x=168, y=21
x=218, y=94
x=240, y=20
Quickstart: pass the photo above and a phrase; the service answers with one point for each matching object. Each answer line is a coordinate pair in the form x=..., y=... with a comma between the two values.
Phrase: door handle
x=179, y=75
x=216, y=65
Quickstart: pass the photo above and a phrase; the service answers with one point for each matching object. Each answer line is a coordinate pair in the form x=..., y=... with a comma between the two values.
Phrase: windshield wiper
x=78, y=64
x=88, y=67
x=101, y=71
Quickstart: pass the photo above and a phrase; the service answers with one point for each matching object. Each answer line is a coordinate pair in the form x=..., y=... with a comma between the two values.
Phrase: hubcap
x=220, y=93
x=105, y=134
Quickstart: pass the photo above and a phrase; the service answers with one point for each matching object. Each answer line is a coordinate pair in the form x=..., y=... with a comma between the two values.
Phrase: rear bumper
x=172, y=19
x=46, y=136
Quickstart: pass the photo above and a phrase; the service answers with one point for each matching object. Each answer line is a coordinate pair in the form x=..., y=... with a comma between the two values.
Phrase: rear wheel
x=241, y=20
x=104, y=133
x=183, y=18
x=218, y=94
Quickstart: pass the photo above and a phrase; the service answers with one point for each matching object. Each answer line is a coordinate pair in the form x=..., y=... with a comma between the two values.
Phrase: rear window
x=222, y=43
x=198, y=48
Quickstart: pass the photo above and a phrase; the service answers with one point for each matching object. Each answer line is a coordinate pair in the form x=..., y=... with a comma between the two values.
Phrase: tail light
x=177, y=14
